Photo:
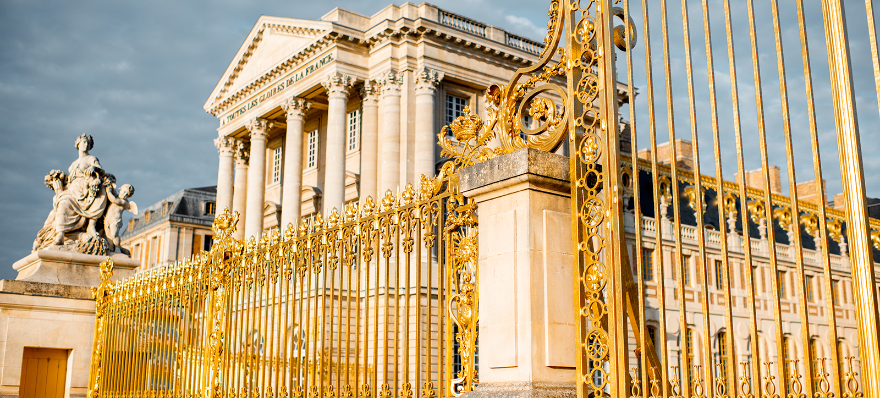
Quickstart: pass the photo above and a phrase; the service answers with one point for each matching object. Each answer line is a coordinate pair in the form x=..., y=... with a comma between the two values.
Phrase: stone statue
x=85, y=198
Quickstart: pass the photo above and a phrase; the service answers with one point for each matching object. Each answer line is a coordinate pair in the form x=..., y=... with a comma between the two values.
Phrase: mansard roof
x=187, y=205
x=277, y=45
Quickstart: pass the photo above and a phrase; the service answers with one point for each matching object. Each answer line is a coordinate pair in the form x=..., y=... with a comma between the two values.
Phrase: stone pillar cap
x=523, y=164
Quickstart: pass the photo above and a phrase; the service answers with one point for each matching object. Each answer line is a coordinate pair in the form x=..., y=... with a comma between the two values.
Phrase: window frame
x=312, y=142
x=277, y=164
x=353, y=130
x=648, y=264
x=449, y=117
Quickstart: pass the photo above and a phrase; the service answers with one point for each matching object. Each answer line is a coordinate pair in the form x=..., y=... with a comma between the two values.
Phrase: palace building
x=315, y=114
x=172, y=229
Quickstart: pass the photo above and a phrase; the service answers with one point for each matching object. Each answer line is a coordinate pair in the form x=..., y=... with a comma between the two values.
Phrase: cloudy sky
x=134, y=75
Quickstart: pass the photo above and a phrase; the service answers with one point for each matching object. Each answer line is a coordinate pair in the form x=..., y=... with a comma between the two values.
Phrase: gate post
x=526, y=312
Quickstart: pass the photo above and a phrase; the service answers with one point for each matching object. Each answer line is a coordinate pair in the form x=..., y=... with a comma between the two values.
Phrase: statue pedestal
x=69, y=268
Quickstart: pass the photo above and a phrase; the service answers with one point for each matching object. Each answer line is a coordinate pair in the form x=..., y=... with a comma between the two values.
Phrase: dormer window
x=164, y=208
x=210, y=208
x=147, y=217
x=130, y=225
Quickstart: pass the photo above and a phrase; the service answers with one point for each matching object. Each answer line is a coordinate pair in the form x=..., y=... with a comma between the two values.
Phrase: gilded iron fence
x=689, y=285
x=379, y=301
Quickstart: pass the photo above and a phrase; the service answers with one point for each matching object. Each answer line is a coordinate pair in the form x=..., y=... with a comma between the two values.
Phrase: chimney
x=755, y=179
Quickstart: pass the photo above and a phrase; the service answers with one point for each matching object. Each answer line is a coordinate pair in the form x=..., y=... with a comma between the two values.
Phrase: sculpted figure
x=82, y=199
x=118, y=204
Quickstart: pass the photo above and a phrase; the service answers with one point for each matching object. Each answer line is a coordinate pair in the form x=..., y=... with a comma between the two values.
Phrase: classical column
x=291, y=190
x=337, y=87
x=389, y=138
x=369, y=140
x=239, y=186
x=256, y=191
x=226, y=147
x=426, y=85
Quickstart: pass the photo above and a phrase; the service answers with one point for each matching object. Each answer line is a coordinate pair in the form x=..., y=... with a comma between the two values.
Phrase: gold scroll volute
x=511, y=103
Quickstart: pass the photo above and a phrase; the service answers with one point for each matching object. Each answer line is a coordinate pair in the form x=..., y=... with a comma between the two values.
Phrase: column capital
x=259, y=128
x=370, y=93
x=296, y=108
x=242, y=152
x=427, y=80
x=338, y=85
x=225, y=145
x=390, y=82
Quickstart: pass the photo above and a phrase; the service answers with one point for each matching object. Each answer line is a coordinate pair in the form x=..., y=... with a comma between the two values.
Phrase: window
x=835, y=291
x=276, y=165
x=210, y=208
x=354, y=129
x=814, y=360
x=808, y=289
x=312, y=155
x=686, y=269
x=689, y=335
x=147, y=217
x=722, y=355
x=454, y=108
x=652, y=337
x=164, y=208
x=130, y=224
x=719, y=274
x=786, y=355
x=154, y=245
x=648, y=264
x=780, y=283
x=841, y=360
x=209, y=240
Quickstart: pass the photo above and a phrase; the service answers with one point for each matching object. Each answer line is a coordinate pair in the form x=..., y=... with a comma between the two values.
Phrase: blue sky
x=134, y=75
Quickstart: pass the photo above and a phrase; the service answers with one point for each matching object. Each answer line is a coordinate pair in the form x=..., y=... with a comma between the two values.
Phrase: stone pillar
x=291, y=190
x=369, y=140
x=239, y=186
x=389, y=138
x=226, y=147
x=426, y=86
x=256, y=191
x=526, y=307
x=337, y=87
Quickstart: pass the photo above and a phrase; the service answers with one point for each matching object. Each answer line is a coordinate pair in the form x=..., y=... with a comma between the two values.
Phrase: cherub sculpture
x=118, y=204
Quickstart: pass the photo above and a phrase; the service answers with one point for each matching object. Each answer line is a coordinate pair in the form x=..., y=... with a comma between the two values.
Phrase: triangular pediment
x=273, y=40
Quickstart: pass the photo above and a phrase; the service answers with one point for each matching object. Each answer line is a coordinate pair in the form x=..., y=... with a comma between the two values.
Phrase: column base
x=523, y=390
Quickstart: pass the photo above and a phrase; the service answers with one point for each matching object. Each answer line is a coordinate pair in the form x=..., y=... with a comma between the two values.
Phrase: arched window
x=786, y=356
x=652, y=335
x=814, y=361
x=842, y=365
x=723, y=355
x=689, y=334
